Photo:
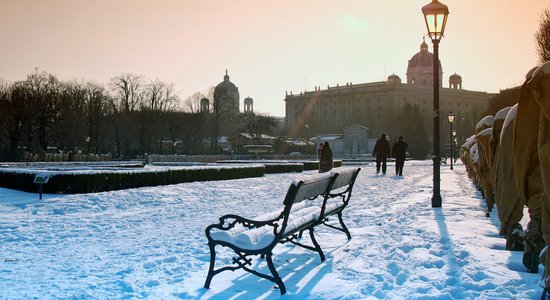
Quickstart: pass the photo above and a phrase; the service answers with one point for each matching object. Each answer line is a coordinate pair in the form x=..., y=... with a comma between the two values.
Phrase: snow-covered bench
x=307, y=204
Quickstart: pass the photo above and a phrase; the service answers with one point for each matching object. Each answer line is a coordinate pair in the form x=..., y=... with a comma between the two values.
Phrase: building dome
x=226, y=86
x=455, y=77
x=394, y=79
x=455, y=81
x=423, y=58
x=226, y=96
x=420, y=67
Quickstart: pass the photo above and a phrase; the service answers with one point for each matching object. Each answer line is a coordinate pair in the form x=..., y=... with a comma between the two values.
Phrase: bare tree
x=159, y=96
x=542, y=37
x=16, y=112
x=45, y=93
x=127, y=89
x=192, y=103
x=70, y=128
x=10, y=122
x=97, y=101
x=127, y=95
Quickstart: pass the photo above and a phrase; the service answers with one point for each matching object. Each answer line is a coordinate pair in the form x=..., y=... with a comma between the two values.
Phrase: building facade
x=382, y=107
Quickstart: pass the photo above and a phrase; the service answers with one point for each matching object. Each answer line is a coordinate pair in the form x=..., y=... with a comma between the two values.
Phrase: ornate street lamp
x=435, y=15
x=451, y=117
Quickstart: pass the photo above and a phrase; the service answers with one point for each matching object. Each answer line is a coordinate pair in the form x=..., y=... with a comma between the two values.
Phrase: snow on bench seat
x=258, y=238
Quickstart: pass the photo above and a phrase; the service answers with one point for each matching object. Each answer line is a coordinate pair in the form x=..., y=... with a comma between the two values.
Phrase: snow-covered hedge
x=278, y=166
x=105, y=180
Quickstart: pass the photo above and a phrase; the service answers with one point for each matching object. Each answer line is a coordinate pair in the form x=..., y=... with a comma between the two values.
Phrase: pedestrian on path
x=381, y=152
x=399, y=152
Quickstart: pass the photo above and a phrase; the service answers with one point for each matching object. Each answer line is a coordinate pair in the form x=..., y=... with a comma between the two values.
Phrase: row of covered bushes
x=284, y=167
x=73, y=183
x=82, y=182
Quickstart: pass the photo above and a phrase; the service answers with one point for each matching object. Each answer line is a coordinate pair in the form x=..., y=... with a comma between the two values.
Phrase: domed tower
x=455, y=82
x=248, y=105
x=420, y=69
x=394, y=79
x=226, y=97
x=205, y=105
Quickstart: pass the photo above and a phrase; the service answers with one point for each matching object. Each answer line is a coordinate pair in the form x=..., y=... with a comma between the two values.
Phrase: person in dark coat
x=381, y=152
x=399, y=152
x=325, y=164
x=319, y=151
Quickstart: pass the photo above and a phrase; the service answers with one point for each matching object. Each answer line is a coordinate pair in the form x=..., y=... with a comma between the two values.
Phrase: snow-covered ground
x=150, y=243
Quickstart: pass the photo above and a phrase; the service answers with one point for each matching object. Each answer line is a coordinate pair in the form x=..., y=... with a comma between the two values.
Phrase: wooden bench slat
x=310, y=189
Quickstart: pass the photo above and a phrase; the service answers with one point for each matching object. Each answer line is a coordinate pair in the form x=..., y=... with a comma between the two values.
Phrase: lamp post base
x=436, y=198
x=436, y=201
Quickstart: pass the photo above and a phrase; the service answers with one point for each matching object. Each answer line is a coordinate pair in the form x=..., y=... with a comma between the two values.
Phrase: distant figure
x=319, y=151
x=399, y=152
x=325, y=163
x=381, y=152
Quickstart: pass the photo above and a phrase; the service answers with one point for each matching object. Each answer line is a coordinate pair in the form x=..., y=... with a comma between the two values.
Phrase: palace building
x=377, y=105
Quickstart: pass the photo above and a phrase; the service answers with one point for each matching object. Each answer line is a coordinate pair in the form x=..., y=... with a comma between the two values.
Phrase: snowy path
x=150, y=243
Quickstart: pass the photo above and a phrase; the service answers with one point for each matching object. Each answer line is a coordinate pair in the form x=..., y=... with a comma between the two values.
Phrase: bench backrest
x=319, y=186
x=309, y=189
x=345, y=178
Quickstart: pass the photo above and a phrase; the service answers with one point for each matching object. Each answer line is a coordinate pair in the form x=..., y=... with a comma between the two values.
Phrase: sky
x=268, y=47
x=149, y=243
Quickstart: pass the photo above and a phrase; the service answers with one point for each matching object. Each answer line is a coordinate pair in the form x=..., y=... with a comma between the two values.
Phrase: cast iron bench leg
x=344, y=225
x=211, y=268
x=317, y=247
x=276, y=277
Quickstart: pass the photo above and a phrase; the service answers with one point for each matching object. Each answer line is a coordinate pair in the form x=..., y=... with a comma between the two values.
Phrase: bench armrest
x=342, y=195
x=229, y=221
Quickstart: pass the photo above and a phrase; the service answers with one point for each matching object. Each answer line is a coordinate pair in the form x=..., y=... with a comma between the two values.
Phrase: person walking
x=319, y=151
x=326, y=158
x=399, y=153
x=381, y=152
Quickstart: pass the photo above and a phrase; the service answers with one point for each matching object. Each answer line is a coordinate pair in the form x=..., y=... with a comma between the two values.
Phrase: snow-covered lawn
x=150, y=243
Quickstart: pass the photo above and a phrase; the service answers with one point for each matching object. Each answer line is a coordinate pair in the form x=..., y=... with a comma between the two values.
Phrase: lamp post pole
x=436, y=197
x=451, y=121
x=451, y=140
x=435, y=15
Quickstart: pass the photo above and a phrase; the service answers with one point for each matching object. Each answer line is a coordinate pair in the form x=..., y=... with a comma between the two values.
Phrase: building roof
x=423, y=58
x=455, y=76
x=225, y=86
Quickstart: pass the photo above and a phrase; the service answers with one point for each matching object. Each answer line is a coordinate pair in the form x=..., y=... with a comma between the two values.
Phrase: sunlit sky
x=268, y=47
